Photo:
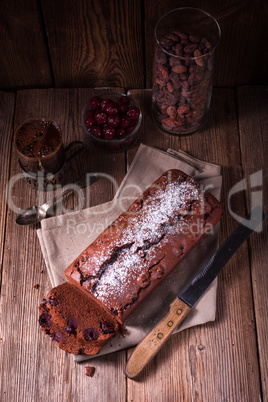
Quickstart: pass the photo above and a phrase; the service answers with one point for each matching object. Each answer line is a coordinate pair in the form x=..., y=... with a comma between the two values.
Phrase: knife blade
x=183, y=304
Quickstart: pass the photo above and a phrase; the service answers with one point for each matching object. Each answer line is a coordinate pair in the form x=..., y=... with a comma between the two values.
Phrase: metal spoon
x=35, y=214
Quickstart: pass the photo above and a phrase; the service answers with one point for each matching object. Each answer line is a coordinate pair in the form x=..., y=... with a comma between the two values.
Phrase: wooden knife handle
x=155, y=339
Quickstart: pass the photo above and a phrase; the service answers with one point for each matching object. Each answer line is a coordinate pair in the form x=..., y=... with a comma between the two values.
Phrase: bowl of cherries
x=112, y=120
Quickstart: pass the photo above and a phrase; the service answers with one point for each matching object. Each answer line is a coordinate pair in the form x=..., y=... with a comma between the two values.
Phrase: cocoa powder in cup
x=182, y=77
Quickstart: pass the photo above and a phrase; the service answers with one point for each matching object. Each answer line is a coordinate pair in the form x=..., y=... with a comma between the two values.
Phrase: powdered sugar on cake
x=146, y=229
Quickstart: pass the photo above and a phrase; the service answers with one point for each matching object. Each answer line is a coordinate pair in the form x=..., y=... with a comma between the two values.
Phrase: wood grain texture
x=218, y=358
x=24, y=57
x=253, y=119
x=244, y=32
x=222, y=360
x=111, y=42
x=7, y=108
x=95, y=43
x=40, y=370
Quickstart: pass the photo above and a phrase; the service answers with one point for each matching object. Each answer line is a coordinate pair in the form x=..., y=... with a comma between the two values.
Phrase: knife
x=187, y=299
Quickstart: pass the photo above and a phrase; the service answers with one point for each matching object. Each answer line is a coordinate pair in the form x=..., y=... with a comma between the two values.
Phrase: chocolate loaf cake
x=75, y=322
x=132, y=256
x=126, y=262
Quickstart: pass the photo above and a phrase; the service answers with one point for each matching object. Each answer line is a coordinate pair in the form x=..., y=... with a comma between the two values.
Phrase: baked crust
x=133, y=255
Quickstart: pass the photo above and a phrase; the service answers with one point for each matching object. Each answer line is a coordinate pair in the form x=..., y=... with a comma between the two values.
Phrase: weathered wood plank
x=93, y=43
x=24, y=57
x=40, y=370
x=7, y=108
x=253, y=123
x=217, y=360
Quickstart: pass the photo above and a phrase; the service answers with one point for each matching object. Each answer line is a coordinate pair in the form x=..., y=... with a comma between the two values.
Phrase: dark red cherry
x=108, y=132
x=90, y=120
x=120, y=132
x=95, y=102
x=132, y=126
x=112, y=108
x=71, y=327
x=125, y=120
x=57, y=336
x=104, y=103
x=45, y=320
x=53, y=302
x=124, y=99
x=100, y=116
x=113, y=120
x=89, y=113
x=122, y=106
x=91, y=334
x=96, y=131
x=133, y=112
x=107, y=327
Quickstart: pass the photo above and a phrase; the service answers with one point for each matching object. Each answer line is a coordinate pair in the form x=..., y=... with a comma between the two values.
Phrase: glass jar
x=186, y=39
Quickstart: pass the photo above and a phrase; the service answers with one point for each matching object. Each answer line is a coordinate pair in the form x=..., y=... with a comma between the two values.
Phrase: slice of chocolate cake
x=75, y=321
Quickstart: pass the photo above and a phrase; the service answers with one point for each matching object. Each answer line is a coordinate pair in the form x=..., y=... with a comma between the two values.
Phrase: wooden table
x=225, y=360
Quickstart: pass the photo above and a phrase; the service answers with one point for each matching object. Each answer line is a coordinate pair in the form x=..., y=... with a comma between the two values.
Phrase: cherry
x=108, y=132
x=71, y=327
x=89, y=118
x=107, y=327
x=122, y=107
x=45, y=320
x=100, y=116
x=91, y=334
x=89, y=122
x=57, y=336
x=125, y=120
x=96, y=131
x=123, y=104
x=133, y=112
x=104, y=103
x=120, y=133
x=95, y=102
x=124, y=99
x=53, y=302
x=89, y=113
x=112, y=108
x=132, y=126
x=113, y=120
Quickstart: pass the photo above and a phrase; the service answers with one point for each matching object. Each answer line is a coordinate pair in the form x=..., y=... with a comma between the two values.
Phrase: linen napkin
x=63, y=238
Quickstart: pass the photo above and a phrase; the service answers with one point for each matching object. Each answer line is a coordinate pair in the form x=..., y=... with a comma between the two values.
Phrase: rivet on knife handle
x=155, y=339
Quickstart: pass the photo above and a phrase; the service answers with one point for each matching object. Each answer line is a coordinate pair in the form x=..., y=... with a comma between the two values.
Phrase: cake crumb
x=90, y=371
x=36, y=286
